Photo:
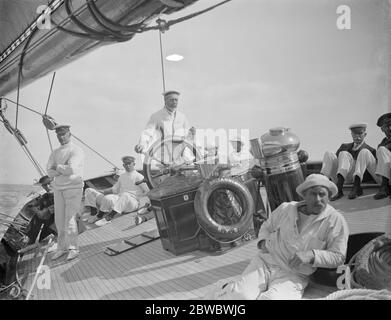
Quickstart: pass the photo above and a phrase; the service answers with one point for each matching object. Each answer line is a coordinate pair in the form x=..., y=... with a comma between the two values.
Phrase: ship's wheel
x=167, y=157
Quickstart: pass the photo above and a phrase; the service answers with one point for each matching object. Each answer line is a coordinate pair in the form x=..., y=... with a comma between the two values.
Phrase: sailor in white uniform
x=165, y=123
x=66, y=165
x=297, y=238
x=123, y=197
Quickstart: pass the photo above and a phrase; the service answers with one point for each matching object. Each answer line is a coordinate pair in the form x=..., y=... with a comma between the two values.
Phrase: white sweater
x=69, y=162
x=164, y=123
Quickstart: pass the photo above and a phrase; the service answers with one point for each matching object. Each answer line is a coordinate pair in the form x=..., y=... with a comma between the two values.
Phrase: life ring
x=213, y=196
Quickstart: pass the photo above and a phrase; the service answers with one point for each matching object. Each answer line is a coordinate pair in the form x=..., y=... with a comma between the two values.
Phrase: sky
x=249, y=64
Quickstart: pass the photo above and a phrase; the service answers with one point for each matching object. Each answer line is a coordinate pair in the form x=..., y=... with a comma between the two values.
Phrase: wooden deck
x=150, y=272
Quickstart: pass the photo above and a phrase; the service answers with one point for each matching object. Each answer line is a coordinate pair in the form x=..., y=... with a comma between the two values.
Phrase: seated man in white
x=350, y=162
x=383, y=153
x=122, y=197
x=240, y=158
x=297, y=238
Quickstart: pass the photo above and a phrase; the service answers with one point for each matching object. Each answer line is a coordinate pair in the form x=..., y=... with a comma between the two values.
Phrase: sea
x=11, y=196
x=12, y=199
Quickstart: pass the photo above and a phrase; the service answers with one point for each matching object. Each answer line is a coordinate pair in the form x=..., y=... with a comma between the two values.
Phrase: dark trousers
x=35, y=225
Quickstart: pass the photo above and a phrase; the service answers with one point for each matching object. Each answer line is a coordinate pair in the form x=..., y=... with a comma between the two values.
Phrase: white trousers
x=261, y=280
x=93, y=198
x=347, y=167
x=66, y=207
x=383, y=162
x=124, y=202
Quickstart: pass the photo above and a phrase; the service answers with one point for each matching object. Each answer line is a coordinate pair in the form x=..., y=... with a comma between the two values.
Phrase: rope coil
x=359, y=294
x=372, y=265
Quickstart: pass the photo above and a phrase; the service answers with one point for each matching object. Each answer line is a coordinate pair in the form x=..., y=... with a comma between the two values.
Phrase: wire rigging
x=112, y=32
x=161, y=60
x=46, y=110
x=93, y=150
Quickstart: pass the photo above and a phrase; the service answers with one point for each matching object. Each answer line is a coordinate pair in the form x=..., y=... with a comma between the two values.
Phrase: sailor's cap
x=128, y=159
x=62, y=127
x=358, y=127
x=166, y=93
x=384, y=119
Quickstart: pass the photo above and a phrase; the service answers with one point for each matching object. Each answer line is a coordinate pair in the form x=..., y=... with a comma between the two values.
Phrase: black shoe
x=110, y=215
x=384, y=190
x=383, y=193
x=355, y=192
x=339, y=195
x=93, y=211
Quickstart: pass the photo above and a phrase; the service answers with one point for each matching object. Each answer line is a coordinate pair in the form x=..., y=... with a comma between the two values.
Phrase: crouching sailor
x=297, y=238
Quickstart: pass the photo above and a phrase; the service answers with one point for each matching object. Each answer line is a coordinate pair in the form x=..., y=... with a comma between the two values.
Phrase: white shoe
x=138, y=220
x=73, y=254
x=52, y=248
x=86, y=217
x=102, y=222
x=142, y=211
x=58, y=254
x=92, y=219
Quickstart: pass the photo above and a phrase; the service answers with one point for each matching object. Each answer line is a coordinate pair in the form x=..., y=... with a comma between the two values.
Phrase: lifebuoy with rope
x=224, y=209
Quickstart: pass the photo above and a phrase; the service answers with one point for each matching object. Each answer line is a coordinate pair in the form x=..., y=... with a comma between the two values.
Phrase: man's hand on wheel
x=139, y=148
x=262, y=246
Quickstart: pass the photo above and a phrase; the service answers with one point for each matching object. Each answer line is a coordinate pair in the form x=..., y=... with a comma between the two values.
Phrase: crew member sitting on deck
x=239, y=157
x=297, y=238
x=350, y=162
x=383, y=154
x=121, y=198
x=43, y=209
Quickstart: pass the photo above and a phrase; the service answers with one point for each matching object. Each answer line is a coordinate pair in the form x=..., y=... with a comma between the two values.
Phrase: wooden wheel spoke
x=159, y=162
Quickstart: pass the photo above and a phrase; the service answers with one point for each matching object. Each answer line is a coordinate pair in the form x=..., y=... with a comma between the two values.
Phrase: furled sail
x=31, y=46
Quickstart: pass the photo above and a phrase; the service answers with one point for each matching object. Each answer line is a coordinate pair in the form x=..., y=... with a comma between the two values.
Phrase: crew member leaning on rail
x=297, y=238
x=66, y=165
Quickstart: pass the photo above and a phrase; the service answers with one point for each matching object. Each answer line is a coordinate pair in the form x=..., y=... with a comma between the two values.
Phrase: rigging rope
x=137, y=28
x=20, y=75
x=112, y=31
x=190, y=16
x=17, y=96
x=108, y=35
x=161, y=60
x=14, y=131
x=20, y=105
x=46, y=110
x=50, y=92
x=359, y=294
x=116, y=32
x=34, y=111
x=32, y=159
x=115, y=167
